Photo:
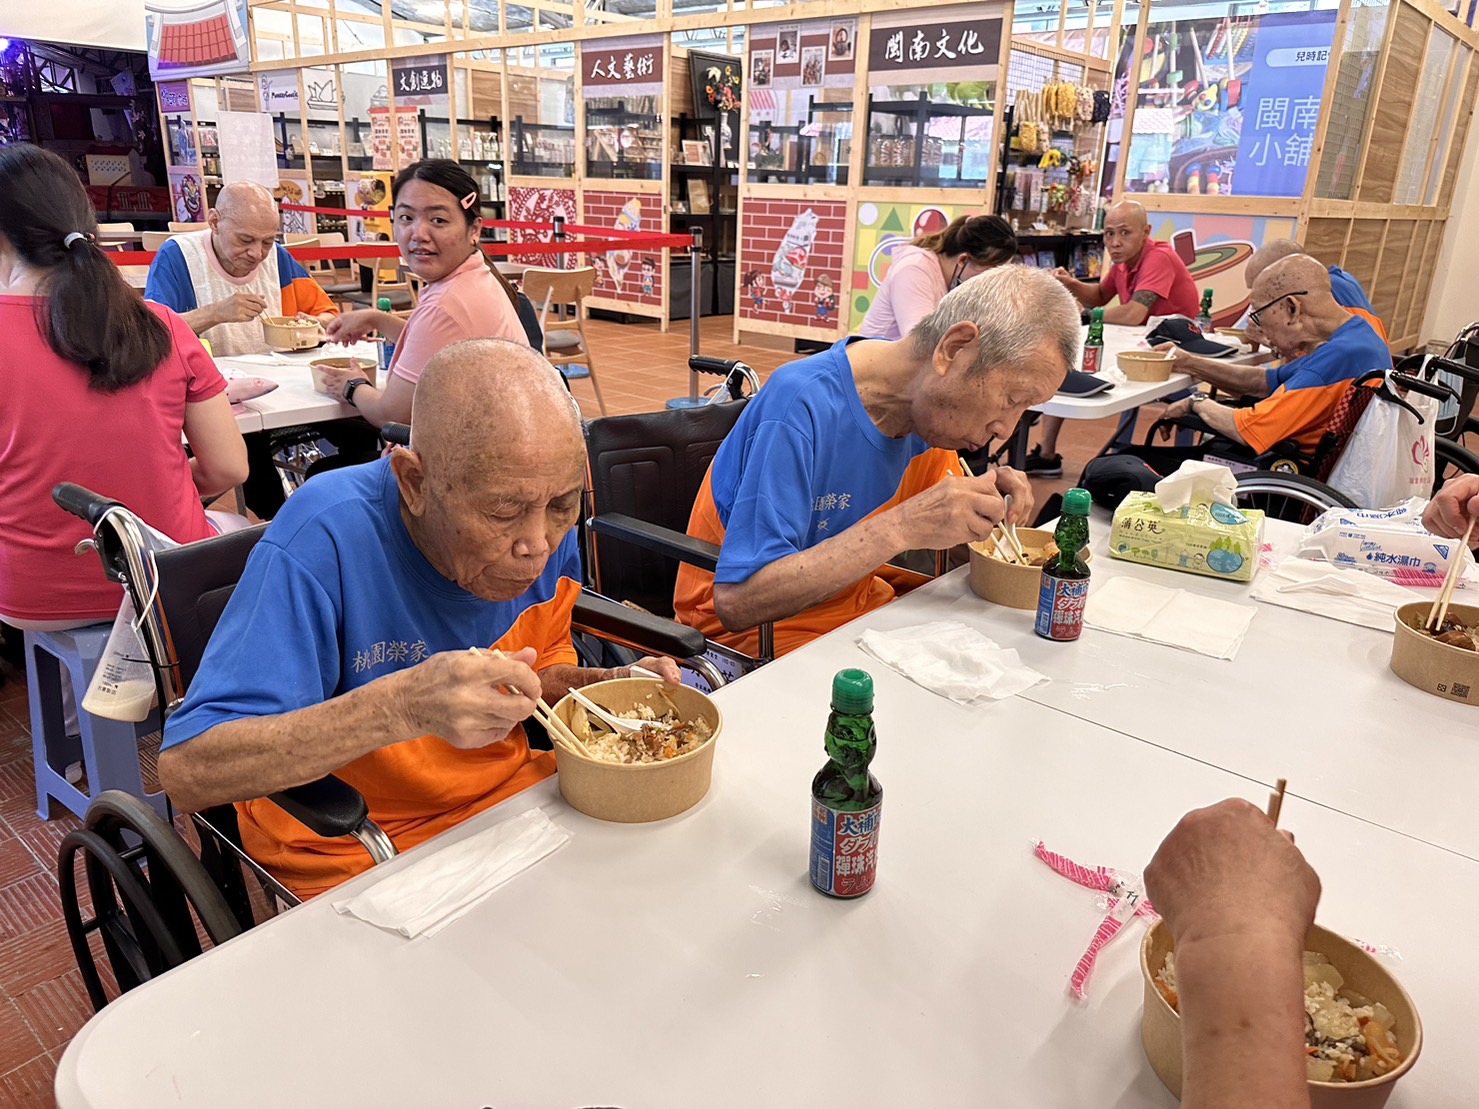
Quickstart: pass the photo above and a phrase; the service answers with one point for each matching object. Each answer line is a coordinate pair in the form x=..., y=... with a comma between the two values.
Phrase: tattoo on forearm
x=1147, y=298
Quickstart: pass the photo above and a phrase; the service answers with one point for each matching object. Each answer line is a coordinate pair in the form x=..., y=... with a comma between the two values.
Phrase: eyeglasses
x=1253, y=315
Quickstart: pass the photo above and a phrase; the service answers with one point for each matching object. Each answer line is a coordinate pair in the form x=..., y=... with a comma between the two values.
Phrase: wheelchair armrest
x=1188, y=422
x=653, y=635
x=658, y=539
x=327, y=807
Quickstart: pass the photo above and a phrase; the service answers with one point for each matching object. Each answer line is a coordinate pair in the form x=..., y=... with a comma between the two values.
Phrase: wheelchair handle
x=83, y=503
x=397, y=434
x=1448, y=365
x=720, y=367
x=1426, y=388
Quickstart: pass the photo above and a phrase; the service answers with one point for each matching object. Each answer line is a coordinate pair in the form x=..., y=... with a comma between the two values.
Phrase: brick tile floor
x=42, y=1000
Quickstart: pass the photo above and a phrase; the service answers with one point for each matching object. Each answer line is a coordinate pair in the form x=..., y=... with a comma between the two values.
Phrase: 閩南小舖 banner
x=1281, y=102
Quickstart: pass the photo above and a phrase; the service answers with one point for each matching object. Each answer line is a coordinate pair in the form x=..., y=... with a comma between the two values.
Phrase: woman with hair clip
x=927, y=268
x=435, y=207
x=98, y=386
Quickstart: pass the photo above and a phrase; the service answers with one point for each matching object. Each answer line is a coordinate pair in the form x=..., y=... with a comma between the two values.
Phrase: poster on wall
x=371, y=192
x=532, y=204
x=631, y=276
x=292, y=188
x=186, y=38
x=277, y=91
x=186, y=197
x=1227, y=106
x=248, y=150
x=1216, y=250
x=787, y=86
x=791, y=262
x=174, y=97
x=322, y=89
x=883, y=228
x=407, y=128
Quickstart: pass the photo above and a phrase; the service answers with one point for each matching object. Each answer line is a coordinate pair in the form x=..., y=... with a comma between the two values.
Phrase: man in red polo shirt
x=1148, y=278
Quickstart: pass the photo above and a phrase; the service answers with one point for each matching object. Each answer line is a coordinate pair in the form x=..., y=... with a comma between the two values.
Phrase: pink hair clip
x=470, y=199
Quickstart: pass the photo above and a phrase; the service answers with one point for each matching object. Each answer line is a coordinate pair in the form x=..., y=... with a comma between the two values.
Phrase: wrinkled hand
x=470, y=699
x=662, y=666
x=1182, y=362
x=334, y=378
x=1174, y=411
x=1448, y=514
x=1226, y=870
x=953, y=511
x=1013, y=483
x=239, y=308
x=351, y=327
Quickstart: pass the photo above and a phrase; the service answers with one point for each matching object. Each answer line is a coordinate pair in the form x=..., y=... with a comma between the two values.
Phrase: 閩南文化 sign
x=935, y=45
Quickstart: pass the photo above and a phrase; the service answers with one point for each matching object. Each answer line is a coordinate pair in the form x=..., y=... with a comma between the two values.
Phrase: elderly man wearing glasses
x=1328, y=348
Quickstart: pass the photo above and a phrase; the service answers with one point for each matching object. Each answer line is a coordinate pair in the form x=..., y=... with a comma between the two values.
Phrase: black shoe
x=1036, y=465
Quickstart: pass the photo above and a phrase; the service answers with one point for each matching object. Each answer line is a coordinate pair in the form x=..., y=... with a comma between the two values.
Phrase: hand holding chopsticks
x=559, y=732
x=1439, y=611
x=1004, y=543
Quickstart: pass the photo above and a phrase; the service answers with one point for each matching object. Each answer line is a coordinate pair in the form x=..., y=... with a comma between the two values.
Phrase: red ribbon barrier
x=507, y=225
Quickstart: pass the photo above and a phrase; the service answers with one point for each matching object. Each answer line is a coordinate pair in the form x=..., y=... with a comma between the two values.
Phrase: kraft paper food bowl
x=636, y=793
x=1008, y=583
x=1145, y=365
x=1160, y=1025
x=364, y=366
x=1236, y=334
x=1420, y=660
x=287, y=334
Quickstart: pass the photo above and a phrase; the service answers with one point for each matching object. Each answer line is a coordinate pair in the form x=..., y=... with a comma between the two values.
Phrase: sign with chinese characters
x=1281, y=103
x=420, y=81
x=174, y=97
x=407, y=129
x=631, y=66
x=933, y=45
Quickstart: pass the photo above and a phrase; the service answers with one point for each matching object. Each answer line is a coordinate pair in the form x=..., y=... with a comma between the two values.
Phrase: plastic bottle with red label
x=846, y=799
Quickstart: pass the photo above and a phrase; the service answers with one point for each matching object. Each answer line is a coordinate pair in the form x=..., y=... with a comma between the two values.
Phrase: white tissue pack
x=1390, y=543
x=1190, y=523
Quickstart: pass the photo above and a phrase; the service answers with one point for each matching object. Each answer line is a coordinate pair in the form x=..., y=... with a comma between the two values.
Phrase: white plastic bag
x=1389, y=456
x=123, y=685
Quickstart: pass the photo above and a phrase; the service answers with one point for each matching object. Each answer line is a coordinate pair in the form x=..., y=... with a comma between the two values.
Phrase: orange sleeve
x=1300, y=414
x=1372, y=319
x=305, y=295
x=546, y=628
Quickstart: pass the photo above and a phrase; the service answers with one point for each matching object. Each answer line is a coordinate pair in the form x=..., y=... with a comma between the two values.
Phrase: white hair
x=1016, y=309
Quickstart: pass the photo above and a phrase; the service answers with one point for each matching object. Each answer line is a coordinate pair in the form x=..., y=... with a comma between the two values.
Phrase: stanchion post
x=695, y=284
x=559, y=238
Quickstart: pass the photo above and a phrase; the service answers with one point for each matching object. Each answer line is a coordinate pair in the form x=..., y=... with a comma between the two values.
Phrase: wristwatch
x=351, y=385
x=1195, y=399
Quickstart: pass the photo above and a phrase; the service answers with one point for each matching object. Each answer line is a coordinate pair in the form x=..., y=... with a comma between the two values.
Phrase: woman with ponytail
x=98, y=387
x=922, y=271
x=436, y=219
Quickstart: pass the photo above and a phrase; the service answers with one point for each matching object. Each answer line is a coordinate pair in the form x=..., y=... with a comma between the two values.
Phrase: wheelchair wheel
x=1450, y=460
x=1291, y=497
x=147, y=892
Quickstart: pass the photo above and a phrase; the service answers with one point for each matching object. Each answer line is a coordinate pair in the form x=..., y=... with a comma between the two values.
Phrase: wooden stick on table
x=1440, y=606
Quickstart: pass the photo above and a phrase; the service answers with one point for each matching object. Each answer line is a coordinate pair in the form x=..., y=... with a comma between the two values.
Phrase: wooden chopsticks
x=559, y=732
x=1011, y=550
x=1439, y=611
x=1276, y=800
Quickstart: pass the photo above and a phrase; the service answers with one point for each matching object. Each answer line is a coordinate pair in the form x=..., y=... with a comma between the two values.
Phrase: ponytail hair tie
x=470, y=199
x=75, y=237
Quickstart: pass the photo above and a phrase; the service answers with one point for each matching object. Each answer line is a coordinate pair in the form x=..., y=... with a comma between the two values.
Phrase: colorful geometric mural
x=1216, y=249
x=881, y=228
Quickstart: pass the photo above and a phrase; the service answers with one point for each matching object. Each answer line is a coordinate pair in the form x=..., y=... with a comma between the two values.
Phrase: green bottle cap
x=852, y=692
x=1077, y=502
x=383, y=304
x=1097, y=315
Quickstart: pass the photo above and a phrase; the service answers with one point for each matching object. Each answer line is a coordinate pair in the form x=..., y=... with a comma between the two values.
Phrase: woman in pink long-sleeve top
x=929, y=267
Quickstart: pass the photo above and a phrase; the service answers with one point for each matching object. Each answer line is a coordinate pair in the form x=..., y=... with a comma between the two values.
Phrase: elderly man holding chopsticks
x=848, y=458
x=344, y=649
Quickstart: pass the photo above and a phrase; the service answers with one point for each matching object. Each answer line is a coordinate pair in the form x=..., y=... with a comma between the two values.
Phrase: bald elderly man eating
x=223, y=278
x=344, y=649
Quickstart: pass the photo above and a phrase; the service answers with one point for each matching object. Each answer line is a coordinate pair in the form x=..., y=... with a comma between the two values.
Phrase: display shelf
x=622, y=145
x=901, y=138
x=542, y=149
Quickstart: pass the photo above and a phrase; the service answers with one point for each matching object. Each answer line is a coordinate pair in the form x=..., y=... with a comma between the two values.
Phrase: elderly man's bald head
x=242, y=197
x=243, y=227
x=1266, y=255
x=1295, y=274
x=1295, y=308
x=492, y=484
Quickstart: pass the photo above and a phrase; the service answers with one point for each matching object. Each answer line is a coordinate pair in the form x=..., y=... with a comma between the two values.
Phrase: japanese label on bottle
x=844, y=849
x=1091, y=359
x=1060, y=607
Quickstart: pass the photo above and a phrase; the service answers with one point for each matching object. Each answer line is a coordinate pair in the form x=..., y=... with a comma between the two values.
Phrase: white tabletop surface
x=295, y=401
x=689, y=962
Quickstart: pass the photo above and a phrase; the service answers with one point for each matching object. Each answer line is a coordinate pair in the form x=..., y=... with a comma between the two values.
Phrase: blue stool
x=108, y=749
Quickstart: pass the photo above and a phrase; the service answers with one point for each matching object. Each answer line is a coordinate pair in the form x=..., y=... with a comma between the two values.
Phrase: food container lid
x=852, y=692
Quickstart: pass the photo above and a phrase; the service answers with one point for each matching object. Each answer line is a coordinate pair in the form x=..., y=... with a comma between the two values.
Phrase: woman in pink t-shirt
x=437, y=226
x=97, y=387
x=921, y=272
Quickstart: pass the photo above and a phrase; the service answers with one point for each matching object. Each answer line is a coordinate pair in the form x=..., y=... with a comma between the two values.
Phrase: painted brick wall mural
x=791, y=263
x=629, y=276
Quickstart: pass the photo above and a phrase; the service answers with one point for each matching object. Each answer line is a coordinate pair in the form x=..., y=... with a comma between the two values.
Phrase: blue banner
x=1281, y=103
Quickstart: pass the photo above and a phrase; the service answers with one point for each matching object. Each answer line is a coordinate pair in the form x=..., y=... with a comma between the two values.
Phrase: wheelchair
x=147, y=891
